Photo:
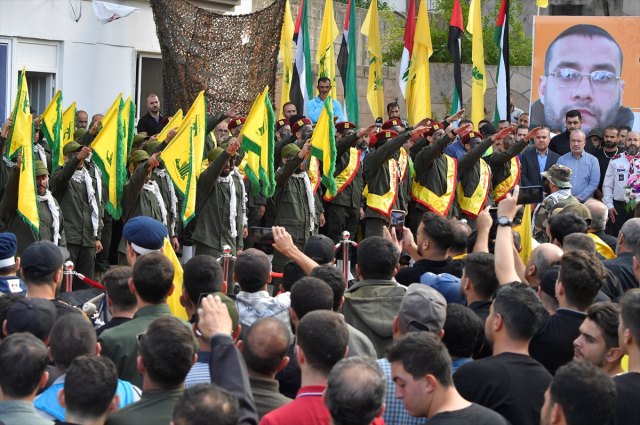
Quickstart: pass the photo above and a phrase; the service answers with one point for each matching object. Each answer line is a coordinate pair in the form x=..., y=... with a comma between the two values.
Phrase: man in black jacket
x=560, y=144
x=538, y=160
x=623, y=266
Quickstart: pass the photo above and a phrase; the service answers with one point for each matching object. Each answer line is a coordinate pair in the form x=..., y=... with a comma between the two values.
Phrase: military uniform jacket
x=431, y=168
x=47, y=153
x=469, y=170
x=209, y=143
x=375, y=168
x=213, y=208
x=542, y=212
x=16, y=225
x=5, y=169
x=292, y=203
x=500, y=162
x=74, y=202
x=138, y=202
x=173, y=224
x=351, y=195
x=253, y=201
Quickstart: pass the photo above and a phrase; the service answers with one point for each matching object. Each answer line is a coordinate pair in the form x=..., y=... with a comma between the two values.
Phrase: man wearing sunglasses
x=582, y=68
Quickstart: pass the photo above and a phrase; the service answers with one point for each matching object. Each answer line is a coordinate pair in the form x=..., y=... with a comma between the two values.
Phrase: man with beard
x=557, y=184
x=141, y=196
x=76, y=193
x=609, y=150
x=585, y=167
x=538, y=160
x=220, y=207
x=283, y=129
x=561, y=143
x=289, y=110
x=41, y=148
x=51, y=220
x=221, y=132
x=151, y=123
x=615, y=181
x=582, y=68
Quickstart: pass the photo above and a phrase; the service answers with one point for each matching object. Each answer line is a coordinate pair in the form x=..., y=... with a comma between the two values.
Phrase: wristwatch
x=504, y=221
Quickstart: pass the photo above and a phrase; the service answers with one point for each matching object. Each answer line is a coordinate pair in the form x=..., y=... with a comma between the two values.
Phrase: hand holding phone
x=396, y=222
x=263, y=235
x=530, y=195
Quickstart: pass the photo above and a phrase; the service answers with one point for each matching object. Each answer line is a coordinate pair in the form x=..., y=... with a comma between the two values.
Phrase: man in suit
x=623, y=266
x=538, y=160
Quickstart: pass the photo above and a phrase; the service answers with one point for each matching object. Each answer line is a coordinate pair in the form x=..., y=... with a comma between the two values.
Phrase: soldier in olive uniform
x=76, y=193
x=51, y=220
x=557, y=183
x=141, y=196
x=219, y=207
x=6, y=165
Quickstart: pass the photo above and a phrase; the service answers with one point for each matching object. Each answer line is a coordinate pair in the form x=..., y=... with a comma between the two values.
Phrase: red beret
x=435, y=127
x=345, y=125
x=392, y=123
x=166, y=120
x=281, y=123
x=298, y=124
x=471, y=135
x=384, y=134
x=236, y=122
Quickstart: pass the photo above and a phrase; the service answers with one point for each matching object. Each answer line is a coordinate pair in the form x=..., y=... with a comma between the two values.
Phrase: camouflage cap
x=559, y=175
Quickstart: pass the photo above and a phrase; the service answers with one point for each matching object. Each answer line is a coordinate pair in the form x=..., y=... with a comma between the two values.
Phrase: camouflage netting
x=231, y=57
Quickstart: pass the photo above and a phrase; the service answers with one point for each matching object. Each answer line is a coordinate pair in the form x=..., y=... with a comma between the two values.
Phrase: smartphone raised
x=396, y=222
x=263, y=235
x=530, y=195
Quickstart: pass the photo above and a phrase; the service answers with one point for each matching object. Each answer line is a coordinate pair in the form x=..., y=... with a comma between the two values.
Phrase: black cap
x=548, y=281
x=320, y=249
x=33, y=315
x=43, y=258
x=252, y=263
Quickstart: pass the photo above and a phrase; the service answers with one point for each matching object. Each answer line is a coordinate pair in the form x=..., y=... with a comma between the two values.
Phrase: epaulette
x=616, y=156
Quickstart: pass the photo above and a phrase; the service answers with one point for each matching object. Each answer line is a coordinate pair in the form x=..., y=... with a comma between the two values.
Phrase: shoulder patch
x=616, y=156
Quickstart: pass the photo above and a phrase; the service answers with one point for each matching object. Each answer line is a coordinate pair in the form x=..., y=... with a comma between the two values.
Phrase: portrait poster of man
x=589, y=64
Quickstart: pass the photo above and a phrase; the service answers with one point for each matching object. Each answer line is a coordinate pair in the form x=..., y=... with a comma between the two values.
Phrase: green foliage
x=382, y=5
x=520, y=45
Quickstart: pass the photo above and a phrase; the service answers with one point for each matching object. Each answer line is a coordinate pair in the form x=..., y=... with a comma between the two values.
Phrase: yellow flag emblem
x=197, y=116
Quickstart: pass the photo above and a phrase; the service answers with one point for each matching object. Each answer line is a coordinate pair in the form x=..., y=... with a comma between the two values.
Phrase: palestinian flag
x=409, y=32
x=501, y=38
x=456, y=31
x=301, y=82
x=347, y=65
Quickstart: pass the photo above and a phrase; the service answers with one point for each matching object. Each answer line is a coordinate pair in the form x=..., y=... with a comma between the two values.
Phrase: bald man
x=540, y=261
x=599, y=218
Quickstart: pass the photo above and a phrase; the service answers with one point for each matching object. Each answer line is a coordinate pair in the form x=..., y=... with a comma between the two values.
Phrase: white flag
x=107, y=12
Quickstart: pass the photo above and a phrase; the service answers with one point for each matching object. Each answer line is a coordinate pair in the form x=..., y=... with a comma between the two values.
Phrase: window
x=148, y=81
x=4, y=82
x=41, y=91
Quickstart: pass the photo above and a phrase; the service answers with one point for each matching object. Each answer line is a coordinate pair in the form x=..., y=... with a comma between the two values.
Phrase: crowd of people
x=440, y=318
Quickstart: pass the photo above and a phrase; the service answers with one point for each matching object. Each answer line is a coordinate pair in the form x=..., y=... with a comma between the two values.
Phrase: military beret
x=79, y=133
x=470, y=135
x=236, y=122
x=138, y=156
x=345, y=125
x=281, y=123
x=214, y=153
x=384, y=134
x=434, y=127
x=145, y=234
x=151, y=146
x=298, y=124
x=41, y=169
x=166, y=120
x=289, y=150
x=393, y=122
x=71, y=147
x=8, y=248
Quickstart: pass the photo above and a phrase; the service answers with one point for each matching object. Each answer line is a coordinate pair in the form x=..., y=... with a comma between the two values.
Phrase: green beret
x=290, y=150
x=138, y=156
x=139, y=138
x=214, y=153
x=151, y=146
x=71, y=147
x=79, y=133
x=41, y=169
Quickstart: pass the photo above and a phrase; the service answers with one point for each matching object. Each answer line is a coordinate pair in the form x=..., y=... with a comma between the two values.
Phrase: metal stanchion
x=345, y=243
x=226, y=256
x=68, y=275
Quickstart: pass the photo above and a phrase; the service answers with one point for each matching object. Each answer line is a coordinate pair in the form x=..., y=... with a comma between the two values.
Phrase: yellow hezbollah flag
x=542, y=3
x=178, y=160
x=371, y=28
x=419, y=86
x=257, y=138
x=108, y=148
x=68, y=128
x=21, y=116
x=175, y=121
x=285, y=54
x=479, y=85
x=323, y=145
x=27, y=201
x=174, y=299
x=325, y=56
x=197, y=115
x=52, y=126
x=127, y=121
x=525, y=234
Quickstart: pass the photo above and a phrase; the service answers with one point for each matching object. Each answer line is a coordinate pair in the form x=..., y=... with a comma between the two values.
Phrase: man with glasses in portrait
x=582, y=67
